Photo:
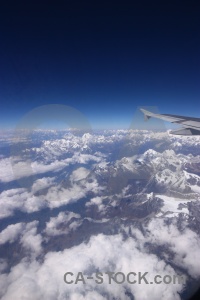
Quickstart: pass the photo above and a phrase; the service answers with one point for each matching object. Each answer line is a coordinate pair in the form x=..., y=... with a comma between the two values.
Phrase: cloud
x=24, y=233
x=105, y=253
x=31, y=240
x=79, y=174
x=56, y=194
x=6, y=174
x=42, y=183
x=3, y=265
x=14, y=168
x=12, y=199
x=11, y=233
x=185, y=244
x=53, y=227
x=97, y=201
x=101, y=253
x=159, y=248
x=20, y=199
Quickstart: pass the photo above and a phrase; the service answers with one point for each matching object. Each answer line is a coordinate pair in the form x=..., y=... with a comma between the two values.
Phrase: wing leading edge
x=191, y=126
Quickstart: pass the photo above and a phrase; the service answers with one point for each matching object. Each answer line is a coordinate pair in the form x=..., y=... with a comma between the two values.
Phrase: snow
x=171, y=204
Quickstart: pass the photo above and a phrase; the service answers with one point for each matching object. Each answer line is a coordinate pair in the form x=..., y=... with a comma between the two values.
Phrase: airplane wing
x=190, y=126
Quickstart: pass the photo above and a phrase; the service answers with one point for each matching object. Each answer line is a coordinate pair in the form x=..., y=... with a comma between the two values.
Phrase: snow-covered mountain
x=108, y=200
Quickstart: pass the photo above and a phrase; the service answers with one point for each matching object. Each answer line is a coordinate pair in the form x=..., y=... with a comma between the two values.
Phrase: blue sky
x=103, y=60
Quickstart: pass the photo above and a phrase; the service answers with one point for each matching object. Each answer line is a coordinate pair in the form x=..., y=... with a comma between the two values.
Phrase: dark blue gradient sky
x=103, y=59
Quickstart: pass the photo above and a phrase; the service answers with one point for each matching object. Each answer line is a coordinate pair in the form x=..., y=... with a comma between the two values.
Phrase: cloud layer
x=140, y=214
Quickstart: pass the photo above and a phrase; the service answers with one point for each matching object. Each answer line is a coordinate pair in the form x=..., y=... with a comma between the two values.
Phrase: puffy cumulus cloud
x=26, y=168
x=3, y=265
x=55, y=195
x=15, y=168
x=185, y=245
x=79, y=174
x=102, y=253
x=6, y=174
x=42, y=183
x=11, y=233
x=56, y=165
x=98, y=201
x=53, y=227
x=12, y=199
x=31, y=240
x=24, y=233
x=85, y=158
x=22, y=282
x=19, y=199
x=58, y=195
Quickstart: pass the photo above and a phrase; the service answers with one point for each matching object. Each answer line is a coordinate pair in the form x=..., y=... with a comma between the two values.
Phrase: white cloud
x=19, y=199
x=3, y=265
x=185, y=244
x=79, y=174
x=16, y=168
x=56, y=195
x=6, y=173
x=12, y=199
x=11, y=233
x=42, y=183
x=63, y=218
x=31, y=279
x=105, y=253
x=26, y=234
x=30, y=240
x=97, y=201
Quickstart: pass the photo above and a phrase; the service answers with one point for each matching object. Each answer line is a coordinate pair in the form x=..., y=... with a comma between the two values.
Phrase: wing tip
x=185, y=131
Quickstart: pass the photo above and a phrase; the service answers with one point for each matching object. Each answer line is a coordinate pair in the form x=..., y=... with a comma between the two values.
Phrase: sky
x=104, y=59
